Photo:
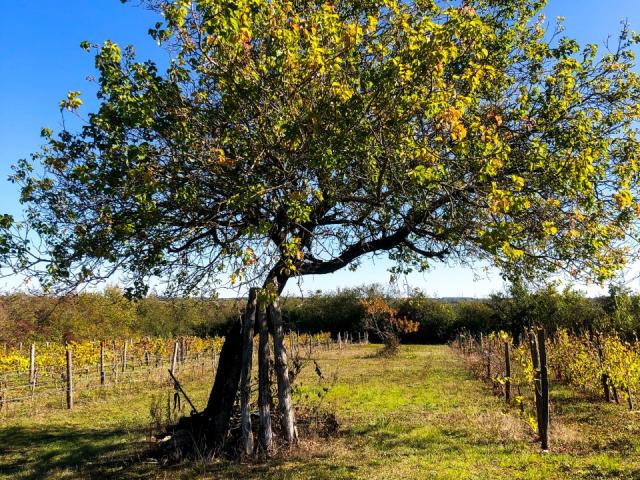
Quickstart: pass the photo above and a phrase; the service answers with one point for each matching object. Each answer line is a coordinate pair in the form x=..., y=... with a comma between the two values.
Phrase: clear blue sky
x=40, y=61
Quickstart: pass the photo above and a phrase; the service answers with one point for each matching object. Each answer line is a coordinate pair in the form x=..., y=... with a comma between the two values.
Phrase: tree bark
x=217, y=414
x=264, y=384
x=245, y=372
x=282, y=373
x=215, y=418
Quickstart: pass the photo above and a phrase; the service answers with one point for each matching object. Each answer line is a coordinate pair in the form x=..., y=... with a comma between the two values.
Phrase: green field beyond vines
x=418, y=416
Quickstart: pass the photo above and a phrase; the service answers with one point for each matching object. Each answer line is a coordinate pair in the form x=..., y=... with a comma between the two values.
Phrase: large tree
x=289, y=138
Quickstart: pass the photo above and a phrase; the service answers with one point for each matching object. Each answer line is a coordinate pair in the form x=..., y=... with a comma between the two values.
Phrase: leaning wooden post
x=174, y=357
x=69, y=380
x=544, y=387
x=32, y=367
x=101, y=362
x=507, y=373
x=245, y=373
x=264, y=387
x=282, y=373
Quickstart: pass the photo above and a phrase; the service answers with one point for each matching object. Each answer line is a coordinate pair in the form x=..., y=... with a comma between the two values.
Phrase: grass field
x=420, y=415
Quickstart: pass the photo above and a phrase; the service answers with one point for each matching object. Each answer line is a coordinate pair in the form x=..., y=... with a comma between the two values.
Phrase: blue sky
x=40, y=61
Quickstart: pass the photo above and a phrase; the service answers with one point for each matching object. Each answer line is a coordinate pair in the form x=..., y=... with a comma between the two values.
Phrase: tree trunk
x=214, y=421
x=223, y=393
x=282, y=373
x=245, y=372
x=264, y=386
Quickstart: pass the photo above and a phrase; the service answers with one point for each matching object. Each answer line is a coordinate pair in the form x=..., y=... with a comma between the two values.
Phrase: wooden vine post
x=544, y=388
x=32, y=367
x=488, y=353
x=101, y=371
x=124, y=357
x=291, y=344
x=535, y=359
x=174, y=357
x=507, y=372
x=114, y=361
x=69, y=379
x=604, y=378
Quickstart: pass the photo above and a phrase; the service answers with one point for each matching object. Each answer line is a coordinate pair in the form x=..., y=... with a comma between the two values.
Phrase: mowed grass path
x=418, y=416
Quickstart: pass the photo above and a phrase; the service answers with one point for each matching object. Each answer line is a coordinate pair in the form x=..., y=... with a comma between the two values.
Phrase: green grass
x=420, y=415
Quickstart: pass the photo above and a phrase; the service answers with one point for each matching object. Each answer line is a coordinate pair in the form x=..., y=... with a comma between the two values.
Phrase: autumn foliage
x=383, y=320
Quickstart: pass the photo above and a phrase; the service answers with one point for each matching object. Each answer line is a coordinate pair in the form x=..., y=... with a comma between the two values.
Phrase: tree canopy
x=291, y=138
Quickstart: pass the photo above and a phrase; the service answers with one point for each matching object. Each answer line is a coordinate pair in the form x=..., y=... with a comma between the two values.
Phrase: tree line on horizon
x=109, y=314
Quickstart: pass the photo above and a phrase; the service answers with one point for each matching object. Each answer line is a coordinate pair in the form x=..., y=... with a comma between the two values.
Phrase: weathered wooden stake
x=69, y=380
x=507, y=373
x=604, y=378
x=114, y=366
x=339, y=341
x=488, y=352
x=174, y=357
x=291, y=344
x=101, y=371
x=544, y=385
x=32, y=367
x=124, y=357
x=535, y=358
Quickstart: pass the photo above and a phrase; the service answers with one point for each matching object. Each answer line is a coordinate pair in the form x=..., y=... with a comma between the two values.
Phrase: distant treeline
x=109, y=315
x=88, y=316
x=442, y=319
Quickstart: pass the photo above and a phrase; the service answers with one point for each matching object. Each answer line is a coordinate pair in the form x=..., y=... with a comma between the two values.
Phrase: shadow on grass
x=48, y=452
x=58, y=452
